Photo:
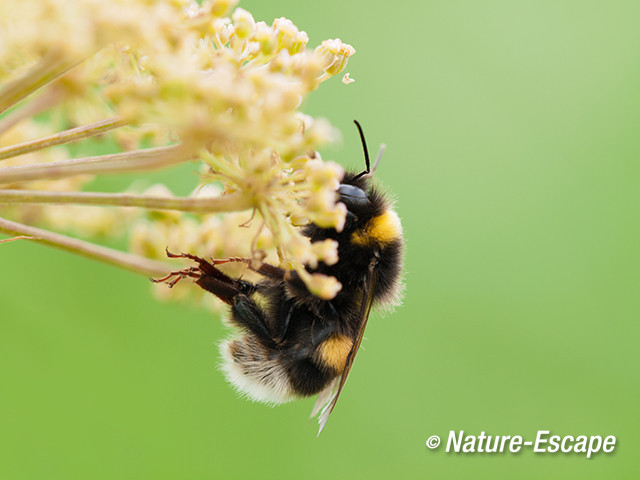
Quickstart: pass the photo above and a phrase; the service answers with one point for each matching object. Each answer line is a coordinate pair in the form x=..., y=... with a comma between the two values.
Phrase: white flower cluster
x=224, y=90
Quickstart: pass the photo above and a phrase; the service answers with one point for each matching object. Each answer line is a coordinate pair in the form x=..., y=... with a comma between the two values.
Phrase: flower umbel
x=168, y=82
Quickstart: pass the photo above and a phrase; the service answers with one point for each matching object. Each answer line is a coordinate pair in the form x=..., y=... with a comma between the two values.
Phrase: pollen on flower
x=346, y=79
x=165, y=83
x=336, y=54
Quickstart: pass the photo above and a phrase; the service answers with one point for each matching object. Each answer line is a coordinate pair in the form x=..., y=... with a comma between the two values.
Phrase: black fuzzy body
x=292, y=342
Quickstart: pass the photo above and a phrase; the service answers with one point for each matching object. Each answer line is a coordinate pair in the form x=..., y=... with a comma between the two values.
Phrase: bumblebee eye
x=352, y=196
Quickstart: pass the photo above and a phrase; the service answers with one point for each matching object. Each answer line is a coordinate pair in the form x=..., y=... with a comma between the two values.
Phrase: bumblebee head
x=371, y=222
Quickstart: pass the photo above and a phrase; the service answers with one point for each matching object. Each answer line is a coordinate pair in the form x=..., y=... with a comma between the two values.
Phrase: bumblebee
x=292, y=343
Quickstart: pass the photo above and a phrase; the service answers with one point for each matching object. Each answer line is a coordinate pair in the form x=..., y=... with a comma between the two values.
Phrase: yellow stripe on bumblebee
x=383, y=229
x=333, y=352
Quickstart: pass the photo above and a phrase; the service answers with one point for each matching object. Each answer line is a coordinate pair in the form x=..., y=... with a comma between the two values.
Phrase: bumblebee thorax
x=381, y=230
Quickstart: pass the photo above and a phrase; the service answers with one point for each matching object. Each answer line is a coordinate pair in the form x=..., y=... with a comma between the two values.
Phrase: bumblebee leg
x=265, y=269
x=221, y=285
x=278, y=330
x=204, y=265
x=248, y=315
x=174, y=277
x=290, y=277
x=284, y=317
x=269, y=271
x=234, y=292
x=272, y=271
x=208, y=277
x=225, y=291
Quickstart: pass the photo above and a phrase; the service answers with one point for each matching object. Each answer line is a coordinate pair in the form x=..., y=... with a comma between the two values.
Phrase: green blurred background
x=512, y=132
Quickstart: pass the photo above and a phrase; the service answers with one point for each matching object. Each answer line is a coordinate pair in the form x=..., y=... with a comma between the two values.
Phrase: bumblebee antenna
x=366, y=152
x=368, y=170
x=380, y=152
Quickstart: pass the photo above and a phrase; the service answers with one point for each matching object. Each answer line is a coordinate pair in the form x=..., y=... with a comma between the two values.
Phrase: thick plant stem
x=134, y=161
x=120, y=259
x=227, y=203
x=71, y=135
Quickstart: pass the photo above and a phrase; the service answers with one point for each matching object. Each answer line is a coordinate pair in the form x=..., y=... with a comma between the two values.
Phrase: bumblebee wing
x=330, y=395
x=325, y=397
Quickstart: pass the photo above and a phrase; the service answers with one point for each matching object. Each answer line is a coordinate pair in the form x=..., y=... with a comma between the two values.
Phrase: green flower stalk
x=169, y=82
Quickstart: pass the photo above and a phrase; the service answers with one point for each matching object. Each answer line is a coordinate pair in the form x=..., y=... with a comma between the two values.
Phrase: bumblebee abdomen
x=272, y=376
x=253, y=372
x=332, y=353
x=308, y=378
